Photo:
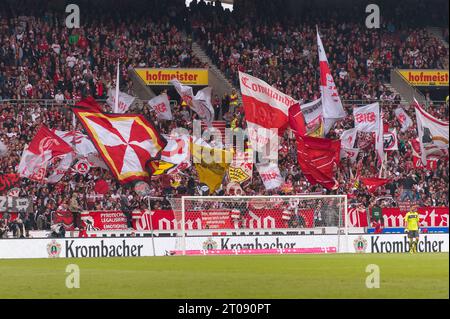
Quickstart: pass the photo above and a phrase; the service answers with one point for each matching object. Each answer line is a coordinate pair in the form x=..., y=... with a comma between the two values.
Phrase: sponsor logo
x=378, y=245
x=53, y=249
x=360, y=244
x=209, y=244
x=164, y=76
x=425, y=77
x=225, y=244
x=101, y=250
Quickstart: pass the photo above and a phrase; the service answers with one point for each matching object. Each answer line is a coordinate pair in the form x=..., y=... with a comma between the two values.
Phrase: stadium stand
x=44, y=68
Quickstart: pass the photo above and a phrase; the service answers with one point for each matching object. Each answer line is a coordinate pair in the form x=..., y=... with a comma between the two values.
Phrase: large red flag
x=317, y=158
x=373, y=183
x=126, y=142
x=297, y=120
x=266, y=111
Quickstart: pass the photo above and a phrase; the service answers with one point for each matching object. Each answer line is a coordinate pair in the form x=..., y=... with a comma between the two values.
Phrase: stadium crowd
x=40, y=59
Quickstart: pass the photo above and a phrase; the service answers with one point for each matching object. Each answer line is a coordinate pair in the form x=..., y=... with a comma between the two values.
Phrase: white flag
x=125, y=101
x=177, y=151
x=348, y=138
x=62, y=168
x=270, y=175
x=161, y=105
x=403, y=118
x=200, y=103
x=313, y=114
x=332, y=105
x=433, y=134
x=349, y=153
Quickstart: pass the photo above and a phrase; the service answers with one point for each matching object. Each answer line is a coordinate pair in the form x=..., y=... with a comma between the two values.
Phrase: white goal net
x=219, y=216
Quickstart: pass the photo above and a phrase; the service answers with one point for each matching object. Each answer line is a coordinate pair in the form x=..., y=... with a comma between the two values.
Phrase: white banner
x=161, y=105
x=367, y=118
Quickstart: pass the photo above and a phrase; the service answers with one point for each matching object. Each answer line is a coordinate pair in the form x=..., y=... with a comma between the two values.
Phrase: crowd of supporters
x=41, y=59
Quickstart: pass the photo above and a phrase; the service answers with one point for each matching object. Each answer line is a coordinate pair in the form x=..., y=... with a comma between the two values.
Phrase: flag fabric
x=403, y=118
x=61, y=167
x=175, y=157
x=349, y=153
x=368, y=119
x=125, y=142
x=417, y=157
x=161, y=105
x=211, y=171
x=266, y=112
x=390, y=140
x=317, y=158
x=313, y=113
x=270, y=175
x=433, y=134
x=125, y=101
x=200, y=103
x=241, y=168
x=3, y=149
x=373, y=183
x=348, y=138
x=297, y=120
x=332, y=105
x=8, y=181
x=44, y=147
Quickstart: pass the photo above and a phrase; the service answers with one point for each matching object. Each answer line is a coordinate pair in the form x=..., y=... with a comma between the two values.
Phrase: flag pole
x=116, y=101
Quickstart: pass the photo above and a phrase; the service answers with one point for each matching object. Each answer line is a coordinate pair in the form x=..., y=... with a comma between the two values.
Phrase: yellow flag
x=211, y=165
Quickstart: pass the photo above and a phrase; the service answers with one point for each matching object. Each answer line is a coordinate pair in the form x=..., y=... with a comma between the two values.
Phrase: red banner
x=429, y=217
x=103, y=220
x=65, y=218
x=357, y=217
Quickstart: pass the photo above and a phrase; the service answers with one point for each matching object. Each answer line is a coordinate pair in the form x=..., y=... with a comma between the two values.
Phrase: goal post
x=277, y=215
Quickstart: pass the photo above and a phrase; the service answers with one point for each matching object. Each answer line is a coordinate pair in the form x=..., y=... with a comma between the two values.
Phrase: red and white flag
x=266, y=112
x=161, y=105
x=44, y=147
x=403, y=118
x=433, y=134
x=432, y=159
x=332, y=105
x=317, y=158
x=368, y=119
x=125, y=142
x=125, y=101
x=270, y=175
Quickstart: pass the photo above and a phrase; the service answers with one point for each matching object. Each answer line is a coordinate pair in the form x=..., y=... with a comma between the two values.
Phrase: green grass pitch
x=286, y=276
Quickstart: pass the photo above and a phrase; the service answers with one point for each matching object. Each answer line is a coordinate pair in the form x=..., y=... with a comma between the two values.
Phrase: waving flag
x=373, y=183
x=349, y=153
x=390, y=140
x=175, y=157
x=125, y=101
x=433, y=134
x=211, y=172
x=307, y=119
x=403, y=118
x=161, y=105
x=44, y=147
x=125, y=142
x=270, y=175
x=332, y=105
x=200, y=103
x=368, y=119
x=266, y=111
x=348, y=138
x=317, y=158
x=8, y=181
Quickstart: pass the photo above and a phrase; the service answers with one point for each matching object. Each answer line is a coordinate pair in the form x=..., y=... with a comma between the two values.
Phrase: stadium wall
x=140, y=247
